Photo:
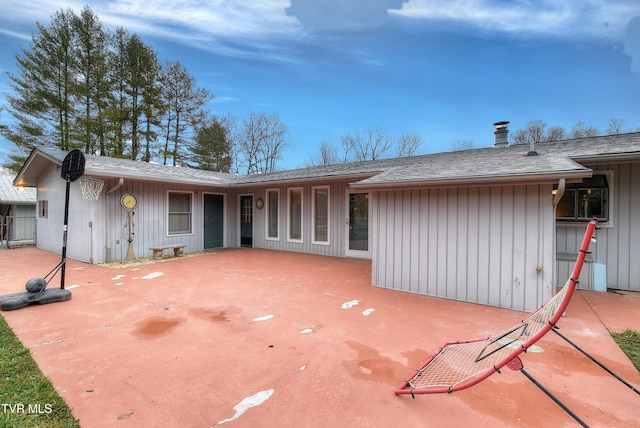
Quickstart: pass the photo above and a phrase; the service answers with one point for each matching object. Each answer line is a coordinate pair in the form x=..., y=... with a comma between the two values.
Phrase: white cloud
x=567, y=18
x=234, y=28
x=342, y=14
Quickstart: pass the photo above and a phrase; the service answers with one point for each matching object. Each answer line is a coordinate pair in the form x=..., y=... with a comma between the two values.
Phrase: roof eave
x=164, y=179
x=20, y=180
x=607, y=158
x=341, y=177
x=528, y=178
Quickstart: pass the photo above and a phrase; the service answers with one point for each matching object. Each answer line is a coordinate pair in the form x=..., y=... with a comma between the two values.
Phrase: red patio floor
x=271, y=339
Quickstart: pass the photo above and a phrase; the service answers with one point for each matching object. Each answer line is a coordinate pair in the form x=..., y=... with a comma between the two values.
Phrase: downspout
x=107, y=247
x=559, y=192
x=556, y=201
x=119, y=185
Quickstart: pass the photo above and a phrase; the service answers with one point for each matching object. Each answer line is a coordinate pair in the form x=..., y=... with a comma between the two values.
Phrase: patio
x=265, y=338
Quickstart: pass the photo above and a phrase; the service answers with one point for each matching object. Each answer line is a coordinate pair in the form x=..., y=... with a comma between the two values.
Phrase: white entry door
x=358, y=225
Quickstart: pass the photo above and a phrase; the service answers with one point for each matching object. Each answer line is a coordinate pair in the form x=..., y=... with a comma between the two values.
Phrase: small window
x=320, y=209
x=586, y=200
x=43, y=209
x=179, y=213
x=273, y=229
x=295, y=214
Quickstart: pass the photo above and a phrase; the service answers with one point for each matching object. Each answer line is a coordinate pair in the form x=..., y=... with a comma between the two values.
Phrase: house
x=497, y=225
x=17, y=212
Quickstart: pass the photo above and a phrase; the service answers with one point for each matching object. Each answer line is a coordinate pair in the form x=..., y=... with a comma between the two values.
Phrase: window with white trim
x=179, y=213
x=272, y=209
x=320, y=218
x=294, y=214
x=585, y=200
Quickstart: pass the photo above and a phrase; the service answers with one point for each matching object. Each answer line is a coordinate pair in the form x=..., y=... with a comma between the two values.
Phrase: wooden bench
x=178, y=249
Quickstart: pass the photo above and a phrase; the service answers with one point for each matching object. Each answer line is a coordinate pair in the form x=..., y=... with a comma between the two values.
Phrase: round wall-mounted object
x=259, y=203
x=128, y=201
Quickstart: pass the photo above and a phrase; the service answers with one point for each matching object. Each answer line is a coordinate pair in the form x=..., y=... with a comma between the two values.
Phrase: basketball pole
x=63, y=262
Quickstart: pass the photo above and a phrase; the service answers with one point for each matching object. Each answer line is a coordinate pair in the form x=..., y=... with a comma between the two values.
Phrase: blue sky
x=445, y=69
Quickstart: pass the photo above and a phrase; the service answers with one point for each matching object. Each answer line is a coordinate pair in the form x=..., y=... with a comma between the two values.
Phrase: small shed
x=17, y=212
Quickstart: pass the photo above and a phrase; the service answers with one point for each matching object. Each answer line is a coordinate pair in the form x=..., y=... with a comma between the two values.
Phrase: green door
x=213, y=221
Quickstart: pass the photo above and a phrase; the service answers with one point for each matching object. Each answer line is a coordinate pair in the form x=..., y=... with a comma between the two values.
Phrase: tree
x=537, y=131
x=407, y=144
x=211, y=150
x=80, y=86
x=92, y=87
x=555, y=133
x=462, y=145
x=369, y=144
x=326, y=155
x=262, y=140
x=615, y=126
x=184, y=109
x=580, y=130
x=43, y=105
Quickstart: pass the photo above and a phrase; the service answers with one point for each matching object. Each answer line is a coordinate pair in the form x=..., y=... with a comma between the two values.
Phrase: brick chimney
x=501, y=131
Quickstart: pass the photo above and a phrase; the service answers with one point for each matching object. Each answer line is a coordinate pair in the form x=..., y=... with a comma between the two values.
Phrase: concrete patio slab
x=265, y=338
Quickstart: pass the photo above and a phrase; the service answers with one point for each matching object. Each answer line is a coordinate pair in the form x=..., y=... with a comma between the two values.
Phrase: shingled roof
x=9, y=194
x=514, y=164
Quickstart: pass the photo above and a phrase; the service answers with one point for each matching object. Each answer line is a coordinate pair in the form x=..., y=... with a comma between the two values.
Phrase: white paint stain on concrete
x=306, y=331
x=367, y=311
x=78, y=268
x=349, y=305
x=264, y=318
x=119, y=283
x=71, y=287
x=117, y=277
x=247, y=403
x=152, y=275
x=302, y=368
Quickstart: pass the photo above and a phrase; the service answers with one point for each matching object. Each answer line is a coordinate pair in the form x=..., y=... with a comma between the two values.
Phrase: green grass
x=629, y=342
x=27, y=397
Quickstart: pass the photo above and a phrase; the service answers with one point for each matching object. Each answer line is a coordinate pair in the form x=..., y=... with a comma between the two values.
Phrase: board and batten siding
x=151, y=217
x=617, y=245
x=488, y=245
x=97, y=229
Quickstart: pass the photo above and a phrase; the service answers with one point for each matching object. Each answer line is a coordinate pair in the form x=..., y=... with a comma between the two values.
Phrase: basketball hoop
x=91, y=188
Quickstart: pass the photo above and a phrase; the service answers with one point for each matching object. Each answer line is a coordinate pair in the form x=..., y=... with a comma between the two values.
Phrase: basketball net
x=91, y=188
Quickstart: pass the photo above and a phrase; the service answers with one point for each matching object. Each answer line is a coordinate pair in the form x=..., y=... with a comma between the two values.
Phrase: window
x=43, y=209
x=179, y=213
x=295, y=214
x=320, y=202
x=585, y=200
x=273, y=229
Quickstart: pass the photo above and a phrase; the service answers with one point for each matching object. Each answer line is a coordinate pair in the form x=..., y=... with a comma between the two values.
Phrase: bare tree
x=580, y=130
x=615, y=126
x=555, y=133
x=461, y=145
x=370, y=144
x=407, y=144
x=537, y=131
x=261, y=143
x=326, y=155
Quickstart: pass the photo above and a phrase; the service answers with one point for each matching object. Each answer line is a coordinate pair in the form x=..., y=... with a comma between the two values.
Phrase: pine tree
x=211, y=149
x=43, y=101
